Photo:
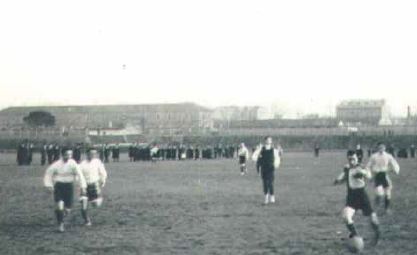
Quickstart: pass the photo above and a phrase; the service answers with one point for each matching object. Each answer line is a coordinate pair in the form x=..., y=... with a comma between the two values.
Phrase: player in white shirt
x=380, y=164
x=95, y=175
x=154, y=153
x=258, y=162
x=354, y=174
x=60, y=178
x=243, y=155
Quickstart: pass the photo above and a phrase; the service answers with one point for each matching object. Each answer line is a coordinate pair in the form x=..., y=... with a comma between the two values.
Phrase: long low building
x=280, y=123
x=162, y=119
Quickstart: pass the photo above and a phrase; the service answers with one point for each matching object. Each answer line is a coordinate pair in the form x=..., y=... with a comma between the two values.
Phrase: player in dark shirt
x=269, y=161
x=354, y=174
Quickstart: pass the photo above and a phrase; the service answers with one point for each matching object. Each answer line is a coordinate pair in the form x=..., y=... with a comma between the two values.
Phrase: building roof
x=362, y=103
x=235, y=107
x=179, y=107
x=283, y=123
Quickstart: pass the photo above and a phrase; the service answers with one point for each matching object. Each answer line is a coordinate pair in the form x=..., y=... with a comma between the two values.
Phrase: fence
x=11, y=138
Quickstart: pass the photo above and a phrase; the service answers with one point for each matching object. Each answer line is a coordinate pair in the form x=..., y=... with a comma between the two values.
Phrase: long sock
x=375, y=226
x=59, y=216
x=271, y=188
x=84, y=214
x=351, y=229
x=387, y=202
x=377, y=201
x=265, y=187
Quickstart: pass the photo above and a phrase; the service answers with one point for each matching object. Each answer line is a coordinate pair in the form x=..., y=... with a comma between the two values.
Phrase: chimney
x=408, y=115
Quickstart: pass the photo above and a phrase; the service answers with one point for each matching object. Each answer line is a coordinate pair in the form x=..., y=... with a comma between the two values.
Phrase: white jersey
x=66, y=172
x=280, y=150
x=154, y=150
x=350, y=173
x=93, y=171
x=383, y=162
x=243, y=152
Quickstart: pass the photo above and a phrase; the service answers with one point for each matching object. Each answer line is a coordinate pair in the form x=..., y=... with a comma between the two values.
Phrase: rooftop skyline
x=303, y=56
x=281, y=107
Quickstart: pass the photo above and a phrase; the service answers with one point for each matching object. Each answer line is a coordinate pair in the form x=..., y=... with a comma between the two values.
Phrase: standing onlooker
x=44, y=151
x=106, y=153
x=56, y=152
x=50, y=153
x=20, y=154
x=77, y=153
x=412, y=151
x=317, y=151
x=31, y=147
x=115, y=153
x=25, y=154
x=359, y=153
x=101, y=152
x=131, y=152
x=391, y=150
x=136, y=152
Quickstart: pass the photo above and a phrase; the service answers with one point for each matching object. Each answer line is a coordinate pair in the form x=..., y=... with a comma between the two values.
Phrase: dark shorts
x=93, y=191
x=64, y=192
x=358, y=199
x=242, y=160
x=381, y=180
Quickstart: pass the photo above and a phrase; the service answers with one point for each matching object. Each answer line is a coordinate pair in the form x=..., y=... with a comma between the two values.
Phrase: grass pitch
x=203, y=207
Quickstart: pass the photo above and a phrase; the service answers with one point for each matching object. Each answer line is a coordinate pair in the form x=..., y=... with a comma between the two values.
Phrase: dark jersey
x=266, y=160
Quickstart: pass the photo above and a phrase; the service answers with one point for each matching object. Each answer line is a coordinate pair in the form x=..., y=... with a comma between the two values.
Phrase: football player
x=269, y=160
x=258, y=162
x=95, y=175
x=380, y=164
x=60, y=178
x=154, y=153
x=354, y=174
x=243, y=154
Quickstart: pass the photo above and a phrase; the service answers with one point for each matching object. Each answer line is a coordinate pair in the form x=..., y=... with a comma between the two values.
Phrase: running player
x=269, y=160
x=154, y=153
x=380, y=164
x=354, y=174
x=95, y=175
x=60, y=178
x=258, y=161
x=243, y=154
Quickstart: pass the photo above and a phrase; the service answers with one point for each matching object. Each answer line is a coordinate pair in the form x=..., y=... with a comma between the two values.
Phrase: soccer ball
x=355, y=244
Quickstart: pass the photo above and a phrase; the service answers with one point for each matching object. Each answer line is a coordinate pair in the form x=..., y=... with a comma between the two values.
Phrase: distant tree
x=39, y=119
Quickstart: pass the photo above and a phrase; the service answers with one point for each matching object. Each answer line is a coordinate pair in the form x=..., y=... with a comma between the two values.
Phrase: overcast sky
x=306, y=55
